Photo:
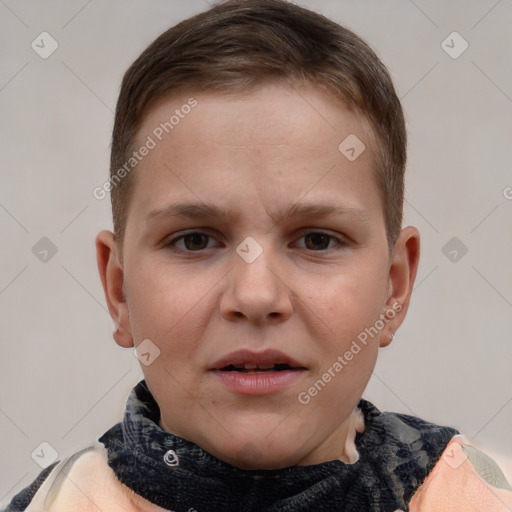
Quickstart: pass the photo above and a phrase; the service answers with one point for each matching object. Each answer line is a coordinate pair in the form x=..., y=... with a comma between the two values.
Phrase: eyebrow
x=201, y=210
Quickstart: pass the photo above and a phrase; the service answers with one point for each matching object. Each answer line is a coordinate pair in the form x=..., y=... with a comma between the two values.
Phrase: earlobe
x=112, y=279
x=402, y=274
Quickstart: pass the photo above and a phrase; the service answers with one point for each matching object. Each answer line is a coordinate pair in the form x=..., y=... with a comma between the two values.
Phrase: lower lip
x=258, y=383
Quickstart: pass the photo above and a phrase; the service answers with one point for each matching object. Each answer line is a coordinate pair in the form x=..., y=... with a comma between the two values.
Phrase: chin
x=253, y=459
x=260, y=454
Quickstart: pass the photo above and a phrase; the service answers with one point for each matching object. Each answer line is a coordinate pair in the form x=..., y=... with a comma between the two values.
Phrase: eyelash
x=340, y=242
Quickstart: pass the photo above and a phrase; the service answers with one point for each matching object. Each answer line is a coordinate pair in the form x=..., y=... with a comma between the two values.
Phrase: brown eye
x=195, y=241
x=317, y=241
x=320, y=241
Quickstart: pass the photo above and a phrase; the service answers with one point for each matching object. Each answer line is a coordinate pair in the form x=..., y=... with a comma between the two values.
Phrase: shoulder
x=83, y=482
x=433, y=467
x=22, y=499
x=47, y=480
x=464, y=478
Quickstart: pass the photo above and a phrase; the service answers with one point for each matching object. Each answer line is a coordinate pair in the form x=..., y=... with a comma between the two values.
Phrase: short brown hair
x=240, y=44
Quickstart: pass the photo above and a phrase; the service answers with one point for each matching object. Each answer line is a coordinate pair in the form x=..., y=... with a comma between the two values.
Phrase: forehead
x=262, y=116
x=281, y=142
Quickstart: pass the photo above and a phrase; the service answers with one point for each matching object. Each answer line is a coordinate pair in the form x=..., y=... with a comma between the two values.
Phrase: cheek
x=171, y=309
x=347, y=352
x=348, y=303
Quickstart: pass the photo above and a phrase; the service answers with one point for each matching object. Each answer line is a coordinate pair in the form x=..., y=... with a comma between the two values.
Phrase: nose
x=256, y=291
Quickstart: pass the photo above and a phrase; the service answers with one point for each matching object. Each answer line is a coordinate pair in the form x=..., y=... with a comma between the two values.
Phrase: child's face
x=307, y=296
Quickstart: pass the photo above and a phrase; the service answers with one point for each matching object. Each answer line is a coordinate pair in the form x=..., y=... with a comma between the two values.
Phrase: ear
x=402, y=273
x=112, y=279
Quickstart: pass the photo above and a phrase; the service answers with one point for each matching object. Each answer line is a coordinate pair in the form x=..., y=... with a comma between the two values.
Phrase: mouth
x=254, y=368
x=257, y=373
x=248, y=361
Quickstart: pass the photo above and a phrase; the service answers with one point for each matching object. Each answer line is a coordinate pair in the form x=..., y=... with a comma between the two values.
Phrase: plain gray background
x=64, y=381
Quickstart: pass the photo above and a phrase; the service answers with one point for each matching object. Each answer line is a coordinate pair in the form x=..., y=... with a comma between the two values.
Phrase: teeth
x=251, y=366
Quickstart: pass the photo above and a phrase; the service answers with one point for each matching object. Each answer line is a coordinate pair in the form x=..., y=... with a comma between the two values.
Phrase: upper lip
x=246, y=356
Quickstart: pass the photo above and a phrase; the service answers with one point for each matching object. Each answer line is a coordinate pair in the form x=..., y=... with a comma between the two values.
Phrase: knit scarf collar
x=396, y=454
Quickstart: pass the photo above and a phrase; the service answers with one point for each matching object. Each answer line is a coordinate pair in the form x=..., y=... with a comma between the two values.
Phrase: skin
x=309, y=297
